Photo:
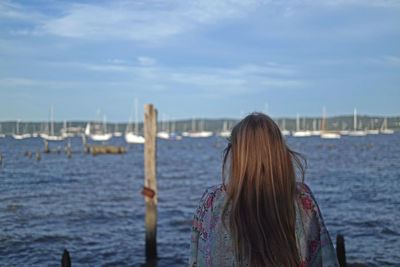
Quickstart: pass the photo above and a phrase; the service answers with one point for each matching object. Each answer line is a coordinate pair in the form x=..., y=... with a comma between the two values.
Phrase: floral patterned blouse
x=210, y=243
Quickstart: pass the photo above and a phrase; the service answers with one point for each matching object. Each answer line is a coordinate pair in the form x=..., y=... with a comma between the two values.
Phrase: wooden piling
x=85, y=147
x=1, y=159
x=150, y=182
x=340, y=251
x=30, y=155
x=46, y=147
x=37, y=155
x=65, y=260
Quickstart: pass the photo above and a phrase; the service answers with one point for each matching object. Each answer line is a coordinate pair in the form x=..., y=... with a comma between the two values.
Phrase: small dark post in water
x=26, y=152
x=69, y=152
x=58, y=149
x=150, y=182
x=340, y=251
x=65, y=260
x=1, y=159
x=38, y=155
x=30, y=155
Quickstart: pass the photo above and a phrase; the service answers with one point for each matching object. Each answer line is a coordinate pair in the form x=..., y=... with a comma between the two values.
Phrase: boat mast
x=136, y=117
x=323, y=119
x=51, y=120
x=355, y=120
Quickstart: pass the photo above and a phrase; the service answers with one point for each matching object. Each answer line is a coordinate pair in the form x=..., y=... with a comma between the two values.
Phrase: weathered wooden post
x=46, y=147
x=69, y=152
x=85, y=147
x=150, y=181
x=37, y=155
x=1, y=159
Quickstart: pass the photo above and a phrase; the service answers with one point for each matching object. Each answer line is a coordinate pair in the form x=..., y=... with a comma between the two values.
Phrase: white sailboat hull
x=387, y=131
x=301, y=133
x=372, y=131
x=134, y=139
x=200, y=134
x=51, y=137
x=100, y=137
x=285, y=132
x=357, y=133
x=330, y=136
x=225, y=134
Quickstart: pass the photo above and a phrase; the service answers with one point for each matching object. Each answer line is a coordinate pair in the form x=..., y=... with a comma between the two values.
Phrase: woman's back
x=211, y=244
x=260, y=216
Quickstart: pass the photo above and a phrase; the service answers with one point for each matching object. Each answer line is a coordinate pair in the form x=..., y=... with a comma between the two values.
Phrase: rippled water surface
x=93, y=207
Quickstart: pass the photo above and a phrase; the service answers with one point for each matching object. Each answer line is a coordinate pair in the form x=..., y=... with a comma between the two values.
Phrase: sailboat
x=50, y=136
x=315, y=131
x=356, y=132
x=98, y=134
x=298, y=132
x=225, y=132
x=325, y=134
x=117, y=133
x=283, y=130
x=1, y=134
x=134, y=137
x=198, y=134
x=18, y=136
x=384, y=129
x=64, y=131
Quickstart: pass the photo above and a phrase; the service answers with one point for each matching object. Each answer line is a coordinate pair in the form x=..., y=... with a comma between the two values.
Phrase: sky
x=198, y=58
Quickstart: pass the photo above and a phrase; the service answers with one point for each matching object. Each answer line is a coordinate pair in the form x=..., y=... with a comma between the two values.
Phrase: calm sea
x=92, y=206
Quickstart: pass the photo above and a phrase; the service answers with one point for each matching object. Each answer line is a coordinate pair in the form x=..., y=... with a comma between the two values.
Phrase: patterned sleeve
x=196, y=229
x=315, y=243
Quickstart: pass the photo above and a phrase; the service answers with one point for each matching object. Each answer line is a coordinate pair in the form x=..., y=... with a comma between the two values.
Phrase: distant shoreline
x=215, y=125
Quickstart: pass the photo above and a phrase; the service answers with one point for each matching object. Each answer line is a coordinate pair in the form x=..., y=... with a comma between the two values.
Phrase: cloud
x=146, y=61
x=152, y=20
x=149, y=21
x=234, y=80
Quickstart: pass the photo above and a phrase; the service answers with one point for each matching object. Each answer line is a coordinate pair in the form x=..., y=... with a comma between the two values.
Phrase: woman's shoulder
x=210, y=198
x=211, y=194
x=305, y=196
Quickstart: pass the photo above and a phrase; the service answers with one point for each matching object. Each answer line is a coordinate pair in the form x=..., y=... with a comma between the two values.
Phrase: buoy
x=38, y=156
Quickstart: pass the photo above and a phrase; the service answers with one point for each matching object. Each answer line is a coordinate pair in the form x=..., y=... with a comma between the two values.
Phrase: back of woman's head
x=261, y=193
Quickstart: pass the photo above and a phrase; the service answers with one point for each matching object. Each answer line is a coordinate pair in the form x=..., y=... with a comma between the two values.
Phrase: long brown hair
x=260, y=205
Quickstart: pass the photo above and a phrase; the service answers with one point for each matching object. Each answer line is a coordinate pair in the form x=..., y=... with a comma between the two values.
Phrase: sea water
x=92, y=205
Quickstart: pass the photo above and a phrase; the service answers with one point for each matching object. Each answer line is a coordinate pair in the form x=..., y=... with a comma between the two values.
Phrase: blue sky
x=202, y=58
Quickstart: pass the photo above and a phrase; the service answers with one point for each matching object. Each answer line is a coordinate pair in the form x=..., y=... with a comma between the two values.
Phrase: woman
x=260, y=216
